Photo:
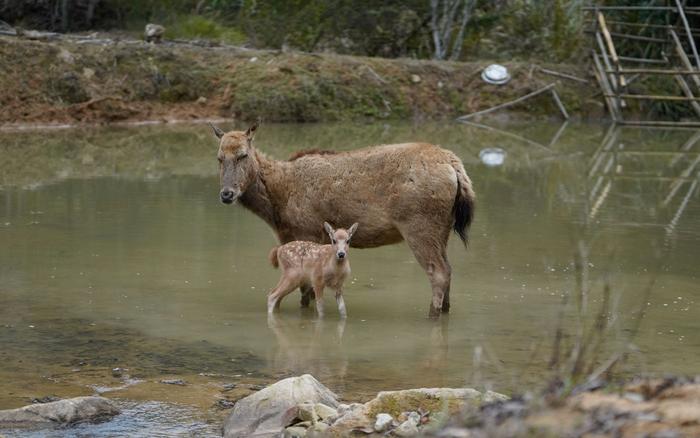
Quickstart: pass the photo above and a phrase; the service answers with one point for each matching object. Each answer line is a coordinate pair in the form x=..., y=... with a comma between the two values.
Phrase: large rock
x=63, y=412
x=428, y=399
x=362, y=417
x=267, y=412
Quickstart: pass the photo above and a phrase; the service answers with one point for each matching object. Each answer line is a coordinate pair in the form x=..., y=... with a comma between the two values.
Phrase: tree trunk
x=443, y=22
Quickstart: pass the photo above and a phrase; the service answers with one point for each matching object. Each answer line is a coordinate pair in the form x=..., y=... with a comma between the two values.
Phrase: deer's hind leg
x=307, y=293
x=286, y=285
x=429, y=246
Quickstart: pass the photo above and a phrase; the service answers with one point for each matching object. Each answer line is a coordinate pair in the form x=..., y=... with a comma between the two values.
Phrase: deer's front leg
x=341, y=303
x=318, y=292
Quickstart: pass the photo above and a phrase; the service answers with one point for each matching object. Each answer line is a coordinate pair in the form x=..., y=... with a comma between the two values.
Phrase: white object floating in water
x=492, y=157
x=495, y=74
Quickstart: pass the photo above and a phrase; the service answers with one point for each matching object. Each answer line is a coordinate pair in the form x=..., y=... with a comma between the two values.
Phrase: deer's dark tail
x=463, y=208
x=274, y=261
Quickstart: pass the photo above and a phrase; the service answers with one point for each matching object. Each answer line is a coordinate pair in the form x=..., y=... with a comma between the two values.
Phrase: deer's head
x=237, y=163
x=340, y=239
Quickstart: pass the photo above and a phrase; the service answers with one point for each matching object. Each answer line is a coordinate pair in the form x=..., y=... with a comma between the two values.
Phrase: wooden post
x=555, y=95
x=657, y=97
x=606, y=60
x=507, y=104
x=681, y=12
x=607, y=90
x=683, y=56
x=611, y=46
x=688, y=93
x=686, y=90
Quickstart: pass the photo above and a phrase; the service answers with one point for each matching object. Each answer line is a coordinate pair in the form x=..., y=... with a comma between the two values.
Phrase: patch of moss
x=396, y=403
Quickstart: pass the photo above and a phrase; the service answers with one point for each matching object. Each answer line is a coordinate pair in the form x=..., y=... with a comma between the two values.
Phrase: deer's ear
x=352, y=230
x=250, y=132
x=217, y=132
x=329, y=230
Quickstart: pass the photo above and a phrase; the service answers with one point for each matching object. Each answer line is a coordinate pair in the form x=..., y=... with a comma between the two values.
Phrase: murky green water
x=115, y=252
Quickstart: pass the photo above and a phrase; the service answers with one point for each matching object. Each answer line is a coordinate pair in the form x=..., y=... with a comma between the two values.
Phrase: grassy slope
x=67, y=82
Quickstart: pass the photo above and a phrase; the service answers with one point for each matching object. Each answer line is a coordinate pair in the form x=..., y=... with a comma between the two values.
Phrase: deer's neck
x=258, y=197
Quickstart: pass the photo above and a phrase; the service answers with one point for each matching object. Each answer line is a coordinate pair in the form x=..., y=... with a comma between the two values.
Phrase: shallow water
x=115, y=252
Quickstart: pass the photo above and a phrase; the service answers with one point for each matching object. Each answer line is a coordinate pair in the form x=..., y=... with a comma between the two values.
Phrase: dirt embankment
x=102, y=80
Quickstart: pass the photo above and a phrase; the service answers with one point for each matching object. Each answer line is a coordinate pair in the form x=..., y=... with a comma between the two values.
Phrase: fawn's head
x=340, y=239
x=237, y=164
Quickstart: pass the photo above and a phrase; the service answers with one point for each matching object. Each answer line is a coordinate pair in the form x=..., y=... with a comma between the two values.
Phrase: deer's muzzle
x=228, y=195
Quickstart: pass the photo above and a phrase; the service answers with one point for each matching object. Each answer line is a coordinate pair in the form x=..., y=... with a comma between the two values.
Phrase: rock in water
x=383, y=422
x=407, y=428
x=325, y=412
x=269, y=411
x=404, y=404
x=62, y=412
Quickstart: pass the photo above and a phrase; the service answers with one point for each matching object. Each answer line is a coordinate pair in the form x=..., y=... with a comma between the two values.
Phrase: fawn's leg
x=341, y=303
x=284, y=287
x=430, y=250
x=318, y=292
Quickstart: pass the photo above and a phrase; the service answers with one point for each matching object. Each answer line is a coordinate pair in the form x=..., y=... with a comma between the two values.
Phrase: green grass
x=200, y=27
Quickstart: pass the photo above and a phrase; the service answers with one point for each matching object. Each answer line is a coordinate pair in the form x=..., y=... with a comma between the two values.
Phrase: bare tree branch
x=443, y=22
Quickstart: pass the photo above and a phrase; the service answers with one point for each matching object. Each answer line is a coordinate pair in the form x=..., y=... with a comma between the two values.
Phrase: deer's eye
x=333, y=240
x=221, y=160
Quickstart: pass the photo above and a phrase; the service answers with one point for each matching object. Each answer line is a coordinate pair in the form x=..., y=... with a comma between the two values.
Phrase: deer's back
x=300, y=255
x=377, y=186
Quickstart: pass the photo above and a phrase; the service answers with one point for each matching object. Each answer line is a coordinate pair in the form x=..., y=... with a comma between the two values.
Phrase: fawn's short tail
x=273, y=257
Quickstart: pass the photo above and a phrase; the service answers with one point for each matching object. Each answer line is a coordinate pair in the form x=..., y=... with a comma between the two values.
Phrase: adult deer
x=416, y=192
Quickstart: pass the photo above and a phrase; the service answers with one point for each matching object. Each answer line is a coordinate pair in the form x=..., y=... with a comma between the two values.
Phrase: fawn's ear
x=329, y=230
x=250, y=132
x=217, y=132
x=352, y=230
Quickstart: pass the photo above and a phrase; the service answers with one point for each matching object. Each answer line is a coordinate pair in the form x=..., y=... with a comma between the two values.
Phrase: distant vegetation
x=442, y=29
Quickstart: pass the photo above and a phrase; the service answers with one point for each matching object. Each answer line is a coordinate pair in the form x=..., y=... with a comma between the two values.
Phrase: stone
x=351, y=418
x=228, y=387
x=383, y=422
x=66, y=56
x=154, y=32
x=415, y=416
x=324, y=412
x=45, y=399
x=415, y=78
x=407, y=428
x=492, y=397
x=62, y=412
x=178, y=382
x=317, y=430
x=307, y=412
x=427, y=399
x=294, y=432
x=269, y=411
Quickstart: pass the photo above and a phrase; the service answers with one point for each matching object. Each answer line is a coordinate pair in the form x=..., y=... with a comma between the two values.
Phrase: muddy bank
x=103, y=79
